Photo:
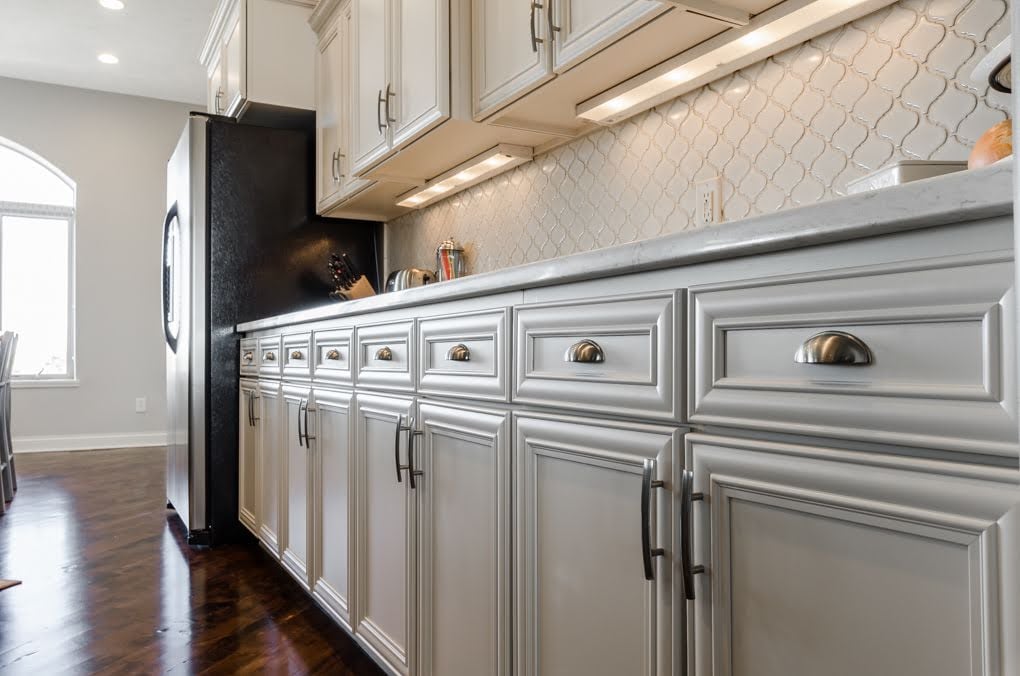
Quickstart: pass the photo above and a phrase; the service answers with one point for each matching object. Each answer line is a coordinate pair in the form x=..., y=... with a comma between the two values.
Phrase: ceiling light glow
x=108, y=59
x=112, y=4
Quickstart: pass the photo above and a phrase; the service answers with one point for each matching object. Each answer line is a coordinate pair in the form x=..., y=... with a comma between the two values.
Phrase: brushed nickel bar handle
x=300, y=436
x=389, y=95
x=254, y=408
x=535, y=40
x=647, y=552
x=247, y=401
x=308, y=437
x=396, y=446
x=687, y=497
x=586, y=351
x=411, y=471
x=378, y=113
x=553, y=28
x=384, y=354
x=836, y=348
x=459, y=352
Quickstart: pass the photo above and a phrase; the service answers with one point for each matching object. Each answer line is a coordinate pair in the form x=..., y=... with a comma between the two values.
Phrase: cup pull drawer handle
x=586, y=351
x=459, y=352
x=297, y=354
x=834, y=347
x=384, y=354
x=269, y=356
x=333, y=355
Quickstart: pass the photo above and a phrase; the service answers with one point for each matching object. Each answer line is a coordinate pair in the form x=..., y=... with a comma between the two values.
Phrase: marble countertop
x=964, y=196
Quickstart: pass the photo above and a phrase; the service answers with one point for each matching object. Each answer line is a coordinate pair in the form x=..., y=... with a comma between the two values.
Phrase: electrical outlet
x=708, y=194
x=140, y=405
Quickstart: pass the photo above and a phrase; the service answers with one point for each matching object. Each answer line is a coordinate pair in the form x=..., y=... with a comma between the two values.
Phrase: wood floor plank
x=110, y=587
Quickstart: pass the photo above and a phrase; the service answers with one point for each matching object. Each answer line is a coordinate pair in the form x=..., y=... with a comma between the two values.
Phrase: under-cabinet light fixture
x=108, y=59
x=115, y=5
x=785, y=25
x=479, y=168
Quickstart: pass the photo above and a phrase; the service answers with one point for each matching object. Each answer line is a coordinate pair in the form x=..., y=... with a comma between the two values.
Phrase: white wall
x=115, y=148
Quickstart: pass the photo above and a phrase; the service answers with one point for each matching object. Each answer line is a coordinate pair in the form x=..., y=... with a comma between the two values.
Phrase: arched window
x=37, y=264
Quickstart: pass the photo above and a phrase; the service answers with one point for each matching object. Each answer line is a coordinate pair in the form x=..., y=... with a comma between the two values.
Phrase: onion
x=993, y=145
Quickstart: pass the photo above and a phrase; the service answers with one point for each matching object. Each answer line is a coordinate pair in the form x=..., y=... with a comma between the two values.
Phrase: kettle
x=399, y=280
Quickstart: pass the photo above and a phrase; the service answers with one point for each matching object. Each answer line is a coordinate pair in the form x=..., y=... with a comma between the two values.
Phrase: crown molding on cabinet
x=322, y=13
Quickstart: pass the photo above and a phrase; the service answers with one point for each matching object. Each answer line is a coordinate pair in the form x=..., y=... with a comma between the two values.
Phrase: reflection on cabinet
x=585, y=565
x=270, y=438
x=384, y=554
x=820, y=561
x=333, y=490
x=260, y=53
x=298, y=458
x=248, y=457
x=463, y=540
x=329, y=101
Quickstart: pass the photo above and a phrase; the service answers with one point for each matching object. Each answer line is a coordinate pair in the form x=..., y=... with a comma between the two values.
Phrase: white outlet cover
x=140, y=405
x=708, y=201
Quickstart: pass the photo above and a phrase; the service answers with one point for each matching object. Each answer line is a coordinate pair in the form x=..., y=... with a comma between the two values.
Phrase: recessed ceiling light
x=109, y=59
x=112, y=4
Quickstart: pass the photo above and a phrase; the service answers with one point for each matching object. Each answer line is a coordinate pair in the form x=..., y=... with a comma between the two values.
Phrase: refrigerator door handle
x=168, y=291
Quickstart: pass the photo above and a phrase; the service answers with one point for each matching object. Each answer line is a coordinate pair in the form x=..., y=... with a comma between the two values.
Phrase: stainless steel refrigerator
x=240, y=241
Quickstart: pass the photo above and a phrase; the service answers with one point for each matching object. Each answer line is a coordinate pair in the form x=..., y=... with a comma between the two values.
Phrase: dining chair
x=6, y=474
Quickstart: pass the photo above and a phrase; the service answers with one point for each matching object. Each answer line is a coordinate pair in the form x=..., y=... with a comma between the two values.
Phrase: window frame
x=31, y=210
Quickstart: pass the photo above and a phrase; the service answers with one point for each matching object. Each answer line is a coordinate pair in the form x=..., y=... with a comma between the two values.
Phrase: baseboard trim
x=88, y=442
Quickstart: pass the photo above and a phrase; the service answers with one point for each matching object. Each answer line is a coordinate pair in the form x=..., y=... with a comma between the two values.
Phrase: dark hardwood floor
x=110, y=587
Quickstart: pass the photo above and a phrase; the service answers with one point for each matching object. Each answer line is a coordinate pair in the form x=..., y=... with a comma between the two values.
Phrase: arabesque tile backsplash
x=790, y=130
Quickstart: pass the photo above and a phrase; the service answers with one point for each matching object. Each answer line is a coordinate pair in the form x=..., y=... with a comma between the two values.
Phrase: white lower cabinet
x=384, y=554
x=594, y=583
x=333, y=491
x=819, y=561
x=298, y=460
x=269, y=429
x=463, y=494
x=248, y=470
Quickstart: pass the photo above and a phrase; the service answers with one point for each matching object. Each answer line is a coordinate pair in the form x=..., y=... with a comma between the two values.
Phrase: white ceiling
x=157, y=42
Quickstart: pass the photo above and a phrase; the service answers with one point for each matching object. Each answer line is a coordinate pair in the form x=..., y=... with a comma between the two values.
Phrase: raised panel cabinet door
x=421, y=73
x=296, y=497
x=818, y=561
x=594, y=582
x=333, y=523
x=248, y=457
x=270, y=426
x=370, y=83
x=582, y=27
x=463, y=540
x=328, y=74
x=385, y=551
x=214, y=84
x=233, y=64
x=510, y=50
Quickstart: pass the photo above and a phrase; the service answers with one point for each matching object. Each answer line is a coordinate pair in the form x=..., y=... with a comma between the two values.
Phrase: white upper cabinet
x=420, y=58
x=260, y=52
x=328, y=101
x=371, y=87
x=510, y=54
x=577, y=28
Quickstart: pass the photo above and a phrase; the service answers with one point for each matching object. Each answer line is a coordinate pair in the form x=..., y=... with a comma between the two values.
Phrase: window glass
x=34, y=299
x=23, y=179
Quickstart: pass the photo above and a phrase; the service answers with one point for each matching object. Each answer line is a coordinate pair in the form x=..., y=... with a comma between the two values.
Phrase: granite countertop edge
x=959, y=197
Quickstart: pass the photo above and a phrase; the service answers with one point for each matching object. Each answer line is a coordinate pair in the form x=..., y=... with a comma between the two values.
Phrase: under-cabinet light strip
x=785, y=25
x=479, y=168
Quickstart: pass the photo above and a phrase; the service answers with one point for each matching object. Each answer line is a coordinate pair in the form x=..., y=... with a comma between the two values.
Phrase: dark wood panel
x=109, y=586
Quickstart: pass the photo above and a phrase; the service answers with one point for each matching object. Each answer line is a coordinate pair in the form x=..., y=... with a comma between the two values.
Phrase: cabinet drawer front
x=386, y=356
x=297, y=355
x=270, y=356
x=465, y=355
x=624, y=352
x=939, y=335
x=333, y=356
x=248, y=357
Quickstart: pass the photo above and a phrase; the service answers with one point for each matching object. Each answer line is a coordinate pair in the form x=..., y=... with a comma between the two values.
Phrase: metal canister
x=449, y=260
